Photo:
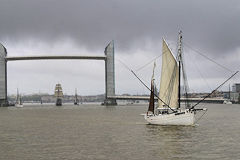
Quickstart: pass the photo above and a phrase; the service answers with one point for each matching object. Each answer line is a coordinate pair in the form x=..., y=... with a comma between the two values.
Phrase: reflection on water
x=92, y=132
x=176, y=132
x=171, y=140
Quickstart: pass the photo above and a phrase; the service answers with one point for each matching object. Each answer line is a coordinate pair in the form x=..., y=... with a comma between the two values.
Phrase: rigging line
x=140, y=68
x=199, y=71
x=144, y=84
x=214, y=90
x=124, y=64
x=208, y=58
x=150, y=90
x=185, y=81
x=201, y=116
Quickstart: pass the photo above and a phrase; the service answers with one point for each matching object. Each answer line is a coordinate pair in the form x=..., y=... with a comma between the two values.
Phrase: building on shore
x=236, y=87
x=233, y=95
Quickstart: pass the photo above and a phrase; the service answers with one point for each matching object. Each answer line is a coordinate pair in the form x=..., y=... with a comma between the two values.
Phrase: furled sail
x=151, y=101
x=169, y=79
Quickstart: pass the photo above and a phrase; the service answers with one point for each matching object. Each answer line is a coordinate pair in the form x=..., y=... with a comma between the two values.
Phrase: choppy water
x=90, y=132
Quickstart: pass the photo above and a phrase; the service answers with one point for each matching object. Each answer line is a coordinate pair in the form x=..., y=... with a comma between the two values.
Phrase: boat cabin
x=162, y=110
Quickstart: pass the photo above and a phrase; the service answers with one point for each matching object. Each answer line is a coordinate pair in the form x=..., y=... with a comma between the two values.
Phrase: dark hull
x=59, y=102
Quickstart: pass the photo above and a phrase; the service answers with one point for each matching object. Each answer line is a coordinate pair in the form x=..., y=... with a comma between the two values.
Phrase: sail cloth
x=58, y=91
x=169, y=79
x=151, y=101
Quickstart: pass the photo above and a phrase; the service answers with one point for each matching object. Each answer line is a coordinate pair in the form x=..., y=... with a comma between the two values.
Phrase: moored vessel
x=76, y=100
x=19, y=103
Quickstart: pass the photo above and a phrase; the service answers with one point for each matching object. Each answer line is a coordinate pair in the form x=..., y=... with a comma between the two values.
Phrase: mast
x=184, y=76
x=75, y=93
x=20, y=100
x=17, y=95
x=179, y=63
x=179, y=84
x=76, y=97
x=229, y=92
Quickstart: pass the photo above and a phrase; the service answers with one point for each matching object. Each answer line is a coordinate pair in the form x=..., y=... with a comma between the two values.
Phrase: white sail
x=58, y=91
x=169, y=79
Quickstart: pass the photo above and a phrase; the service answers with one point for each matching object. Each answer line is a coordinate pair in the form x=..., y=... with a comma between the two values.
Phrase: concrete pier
x=3, y=76
x=109, y=75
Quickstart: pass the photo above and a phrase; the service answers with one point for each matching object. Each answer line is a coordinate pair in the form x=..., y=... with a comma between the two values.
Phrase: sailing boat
x=18, y=103
x=58, y=94
x=169, y=110
x=76, y=101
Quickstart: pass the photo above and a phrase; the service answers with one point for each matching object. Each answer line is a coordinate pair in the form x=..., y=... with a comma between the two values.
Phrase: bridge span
x=55, y=58
x=207, y=100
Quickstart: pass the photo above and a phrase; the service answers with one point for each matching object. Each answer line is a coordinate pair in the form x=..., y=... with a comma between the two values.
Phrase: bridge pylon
x=109, y=74
x=3, y=76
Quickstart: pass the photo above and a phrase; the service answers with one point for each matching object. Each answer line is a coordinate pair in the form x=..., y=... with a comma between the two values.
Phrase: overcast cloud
x=73, y=27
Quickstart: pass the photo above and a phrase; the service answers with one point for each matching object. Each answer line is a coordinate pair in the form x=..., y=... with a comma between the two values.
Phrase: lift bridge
x=109, y=70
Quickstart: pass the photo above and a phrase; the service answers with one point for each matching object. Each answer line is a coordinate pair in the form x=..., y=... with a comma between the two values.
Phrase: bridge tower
x=109, y=74
x=3, y=76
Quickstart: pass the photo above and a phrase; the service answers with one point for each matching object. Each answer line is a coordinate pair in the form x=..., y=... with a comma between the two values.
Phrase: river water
x=94, y=132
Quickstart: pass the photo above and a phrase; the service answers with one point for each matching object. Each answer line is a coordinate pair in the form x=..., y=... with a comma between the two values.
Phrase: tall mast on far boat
x=76, y=101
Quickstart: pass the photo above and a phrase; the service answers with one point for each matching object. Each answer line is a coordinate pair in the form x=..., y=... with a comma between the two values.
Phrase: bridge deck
x=207, y=100
x=54, y=57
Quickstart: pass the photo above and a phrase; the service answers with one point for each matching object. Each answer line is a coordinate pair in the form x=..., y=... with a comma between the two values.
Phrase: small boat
x=169, y=110
x=58, y=94
x=76, y=101
x=228, y=101
x=18, y=103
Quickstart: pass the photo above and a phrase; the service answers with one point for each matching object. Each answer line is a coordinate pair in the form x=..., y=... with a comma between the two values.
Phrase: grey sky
x=137, y=26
